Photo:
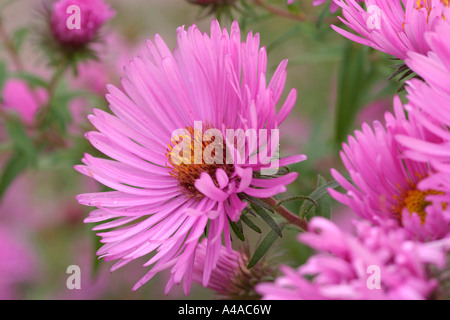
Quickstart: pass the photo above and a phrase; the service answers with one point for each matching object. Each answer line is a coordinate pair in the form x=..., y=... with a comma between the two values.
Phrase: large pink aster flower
x=375, y=263
x=429, y=108
x=162, y=204
x=386, y=185
x=394, y=27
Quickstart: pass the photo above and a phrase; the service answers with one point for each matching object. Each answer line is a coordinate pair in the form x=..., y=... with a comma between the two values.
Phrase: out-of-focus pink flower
x=393, y=27
x=18, y=96
x=215, y=79
x=93, y=14
x=333, y=6
x=17, y=264
x=386, y=186
x=374, y=111
x=113, y=54
x=376, y=263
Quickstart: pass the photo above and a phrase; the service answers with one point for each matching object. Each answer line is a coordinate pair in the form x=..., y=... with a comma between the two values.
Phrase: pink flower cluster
x=398, y=173
x=345, y=266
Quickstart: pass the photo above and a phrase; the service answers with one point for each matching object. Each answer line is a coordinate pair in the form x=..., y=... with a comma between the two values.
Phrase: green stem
x=10, y=48
x=291, y=15
x=286, y=214
x=51, y=92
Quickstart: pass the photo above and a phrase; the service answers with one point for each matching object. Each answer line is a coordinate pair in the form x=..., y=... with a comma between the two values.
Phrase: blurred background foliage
x=340, y=84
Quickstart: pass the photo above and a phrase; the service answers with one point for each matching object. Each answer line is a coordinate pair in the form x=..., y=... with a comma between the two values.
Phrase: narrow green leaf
x=317, y=195
x=237, y=230
x=19, y=37
x=268, y=219
x=258, y=202
x=21, y=142
x=352, y=79
x=250, y=223
x=264, y=246
x=298, y=197
x=12, y=168
x=3, y=74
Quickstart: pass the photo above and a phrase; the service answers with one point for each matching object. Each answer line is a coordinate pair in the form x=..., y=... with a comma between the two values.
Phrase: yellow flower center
x=414, y=201
x=188, y=159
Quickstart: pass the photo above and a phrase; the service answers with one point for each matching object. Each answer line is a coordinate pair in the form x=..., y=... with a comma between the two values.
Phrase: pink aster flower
x=161, y=205
x=386, y=186
x=92, y=15
x=393, y=27
x=231, y=279
x=428, y=108
x=434, y=67
x=223, y=274
x=375, y=263
x=18, y=96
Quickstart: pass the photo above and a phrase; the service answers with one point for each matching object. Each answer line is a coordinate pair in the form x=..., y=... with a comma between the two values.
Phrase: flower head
x=231, y=279
x=168, y=124
x=376, y=263
x=387, y=187
x=393, y=27
x=92, y=15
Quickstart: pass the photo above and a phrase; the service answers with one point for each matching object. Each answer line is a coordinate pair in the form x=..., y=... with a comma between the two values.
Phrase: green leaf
x=268, y=219
x=237, y=229
x=250, y=223
x=22, y=143
x=258, y=202
x=264, y=246
x=298, y=197
x=19, y=36
x=352, y=80
x=3, y=74
x=12, y=168
x=317, y=195
x=32, y=79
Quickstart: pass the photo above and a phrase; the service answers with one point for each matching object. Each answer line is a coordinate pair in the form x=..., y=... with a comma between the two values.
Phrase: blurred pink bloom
x=387, y=186
x=93, y=14
x=333, y=6
x=374, y=111
x=393, y=27
x=113, y=54
x=374, y=264
x=18, y=96
x=17, y=264
x=161, y=206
